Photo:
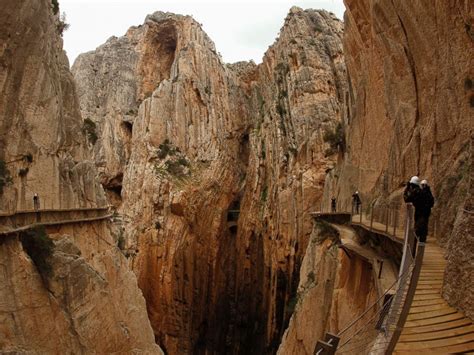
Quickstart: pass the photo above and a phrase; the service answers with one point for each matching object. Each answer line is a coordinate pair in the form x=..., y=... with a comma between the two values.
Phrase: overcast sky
x=241, y=30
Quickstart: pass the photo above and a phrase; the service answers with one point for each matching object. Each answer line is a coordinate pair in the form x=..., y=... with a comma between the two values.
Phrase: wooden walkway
x=432, y=325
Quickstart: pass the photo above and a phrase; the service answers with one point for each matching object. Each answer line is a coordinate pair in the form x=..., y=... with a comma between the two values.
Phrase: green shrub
x=5, y=177
x=183, y=161
x=165, y=149
x=55, y=6
x=62, y=25
x=326, y=230
x=39, y=246
x=89, y=129
x=291, y=305
x=174, y=168
x=264, y=194
x=121, y=241
x=335, y=139
x=280, y=109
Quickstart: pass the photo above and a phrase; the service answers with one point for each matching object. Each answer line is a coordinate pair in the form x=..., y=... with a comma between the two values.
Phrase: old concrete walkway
x=22, y=220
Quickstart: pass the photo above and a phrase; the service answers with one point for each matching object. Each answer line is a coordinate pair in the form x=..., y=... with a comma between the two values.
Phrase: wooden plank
x=463, y=348
x=426, y=297
x=438, y=334
x=415, y=309
x=428, y=292
x=430, y=282
x=429, y=287
x=431, y=314
x=434, y=344
x=437, y=327
x=434, y=320
x=435, y=301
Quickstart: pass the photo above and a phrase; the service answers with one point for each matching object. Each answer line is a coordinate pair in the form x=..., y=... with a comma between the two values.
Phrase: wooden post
x=387, y=219
x=408, y=299
x=360, y=212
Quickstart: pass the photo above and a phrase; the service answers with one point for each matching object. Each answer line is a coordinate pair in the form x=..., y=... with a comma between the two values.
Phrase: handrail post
x=408, y=299
x=387, y=219
x=395, y=217
x=372, y=215
x=328, y=346
x=360, y=212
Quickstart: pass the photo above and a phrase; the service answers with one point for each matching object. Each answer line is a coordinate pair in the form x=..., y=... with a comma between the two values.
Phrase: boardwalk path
x=432, y=325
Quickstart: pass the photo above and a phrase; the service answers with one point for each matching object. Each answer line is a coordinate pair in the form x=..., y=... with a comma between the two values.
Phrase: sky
x=241, y=30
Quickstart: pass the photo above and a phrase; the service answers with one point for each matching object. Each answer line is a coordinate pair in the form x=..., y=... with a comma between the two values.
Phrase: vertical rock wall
x=224, y=163
x=41, y=139
x=410, y=113
x=90, y=303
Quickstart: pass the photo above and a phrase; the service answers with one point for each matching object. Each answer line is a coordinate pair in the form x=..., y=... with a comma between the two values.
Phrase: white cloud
x=241, y=30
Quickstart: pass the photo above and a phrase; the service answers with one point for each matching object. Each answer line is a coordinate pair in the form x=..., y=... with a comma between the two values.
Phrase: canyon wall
x=41, y=144
x=88, y=300
x=410, y=112
x=215, y=179
x=335, y=287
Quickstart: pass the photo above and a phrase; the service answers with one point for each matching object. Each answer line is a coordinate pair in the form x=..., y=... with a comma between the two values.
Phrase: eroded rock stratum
x=213, y=168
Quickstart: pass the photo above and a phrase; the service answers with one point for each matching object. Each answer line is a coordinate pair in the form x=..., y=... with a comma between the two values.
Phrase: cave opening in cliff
x=158, y=56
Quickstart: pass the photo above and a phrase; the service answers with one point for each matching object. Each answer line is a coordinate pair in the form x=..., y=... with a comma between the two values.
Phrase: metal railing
x=378, y=328
x=14, y=207
x=387, y=220
x=9, y=223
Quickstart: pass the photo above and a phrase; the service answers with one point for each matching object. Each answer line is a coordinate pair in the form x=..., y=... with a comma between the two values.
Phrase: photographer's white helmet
x=415, y=180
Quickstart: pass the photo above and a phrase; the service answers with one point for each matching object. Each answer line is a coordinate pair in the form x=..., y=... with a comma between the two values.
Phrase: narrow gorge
x=176, y=191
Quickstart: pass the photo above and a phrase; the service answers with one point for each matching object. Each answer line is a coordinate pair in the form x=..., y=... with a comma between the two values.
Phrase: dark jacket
x=356, y=199
x=422, y=199
x=427, y=200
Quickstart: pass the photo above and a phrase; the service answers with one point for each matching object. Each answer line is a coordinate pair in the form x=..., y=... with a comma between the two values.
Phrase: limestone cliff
x=221, y=166
x=41, y=140
x=335, y=287
x=89, y=301
x=410, y=112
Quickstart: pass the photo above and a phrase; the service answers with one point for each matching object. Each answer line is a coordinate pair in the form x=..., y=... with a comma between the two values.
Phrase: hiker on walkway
x=356, y=202
x=428, y=200
x=36, y=203
x=420, y=196
x=333, y=204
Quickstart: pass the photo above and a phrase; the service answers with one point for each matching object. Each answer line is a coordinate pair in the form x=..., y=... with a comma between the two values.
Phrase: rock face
x=410, y=104
x=334, y=289
x=90, y=303
x=223, y=163
x=41, y=142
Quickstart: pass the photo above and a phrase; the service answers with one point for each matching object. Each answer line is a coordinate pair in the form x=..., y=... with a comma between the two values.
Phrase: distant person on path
x=36, y=203
x=333, y=204
x=420, y=196
x=356, y=202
